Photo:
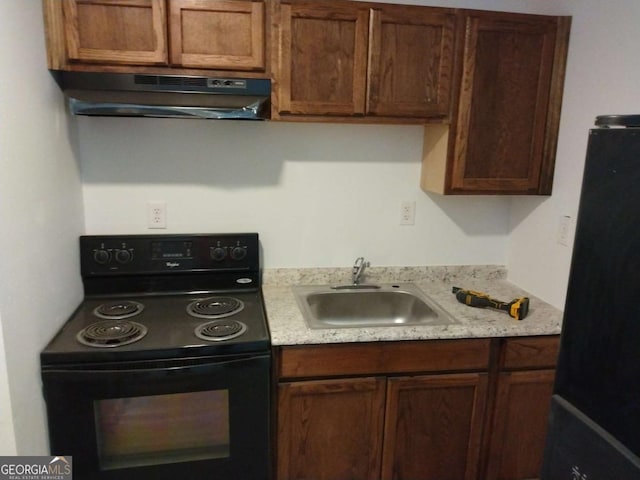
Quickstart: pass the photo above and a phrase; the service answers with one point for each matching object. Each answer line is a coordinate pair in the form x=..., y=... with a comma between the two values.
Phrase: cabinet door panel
x=433, y=427
x=520, y=424
x=116, y=31
x=224, y=34
x=330, y=429
x=322, y=59
x=411, y=61
x=504, y=101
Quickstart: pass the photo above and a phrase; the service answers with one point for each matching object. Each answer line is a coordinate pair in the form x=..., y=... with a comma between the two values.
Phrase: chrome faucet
x=358, y=270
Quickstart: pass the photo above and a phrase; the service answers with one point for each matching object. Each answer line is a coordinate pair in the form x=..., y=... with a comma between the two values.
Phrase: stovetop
x=171, y=331
x=184, y=295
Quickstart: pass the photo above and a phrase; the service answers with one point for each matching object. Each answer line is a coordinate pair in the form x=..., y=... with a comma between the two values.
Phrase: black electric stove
x=165, y=296
x=163, y=371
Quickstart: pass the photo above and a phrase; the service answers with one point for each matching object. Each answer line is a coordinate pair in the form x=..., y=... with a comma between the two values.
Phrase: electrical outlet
x=407, y=213
x=564, y=230
x=156, y=215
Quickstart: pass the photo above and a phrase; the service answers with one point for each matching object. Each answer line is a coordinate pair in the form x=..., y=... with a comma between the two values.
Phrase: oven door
x=187, y=419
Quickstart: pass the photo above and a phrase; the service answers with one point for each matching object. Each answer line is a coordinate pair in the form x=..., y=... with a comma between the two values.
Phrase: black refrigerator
x=594, y=425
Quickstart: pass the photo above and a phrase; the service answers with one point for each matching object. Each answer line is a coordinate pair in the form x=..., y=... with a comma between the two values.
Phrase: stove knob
x=238, y=253
x=124, y=256
x=101, y=256
x=218, y=253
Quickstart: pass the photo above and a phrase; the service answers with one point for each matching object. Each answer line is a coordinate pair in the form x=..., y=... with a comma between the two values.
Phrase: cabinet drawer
x=530, y=352
x=383, y=358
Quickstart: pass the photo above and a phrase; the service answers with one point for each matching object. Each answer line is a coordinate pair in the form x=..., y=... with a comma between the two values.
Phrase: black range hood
x=169, y=96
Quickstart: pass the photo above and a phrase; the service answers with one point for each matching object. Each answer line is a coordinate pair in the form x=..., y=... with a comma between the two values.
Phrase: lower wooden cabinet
x=517, y=423
x=433, y=427
x=330, y=429
x=429, y=428
x=520, y=424
x=473, y=409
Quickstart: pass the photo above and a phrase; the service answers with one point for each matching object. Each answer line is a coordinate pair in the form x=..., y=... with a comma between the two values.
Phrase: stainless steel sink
x=347, y=306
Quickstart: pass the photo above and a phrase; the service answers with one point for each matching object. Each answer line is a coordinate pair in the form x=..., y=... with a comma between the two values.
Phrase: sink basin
x=348, y=306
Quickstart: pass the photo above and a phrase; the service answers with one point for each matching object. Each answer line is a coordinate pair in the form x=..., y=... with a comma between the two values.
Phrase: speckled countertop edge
x=288, y=327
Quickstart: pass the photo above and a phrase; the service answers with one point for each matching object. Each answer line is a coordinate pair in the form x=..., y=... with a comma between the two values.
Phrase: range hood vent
x=173, y=81
x=172, y=96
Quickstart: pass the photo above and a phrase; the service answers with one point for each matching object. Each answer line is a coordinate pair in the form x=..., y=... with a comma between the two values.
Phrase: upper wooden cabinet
x=117, y=32
x=411, y=60
x=226, y=34
x=111, y=34
x=322, y=58
x=358, y=59
x=503, y=137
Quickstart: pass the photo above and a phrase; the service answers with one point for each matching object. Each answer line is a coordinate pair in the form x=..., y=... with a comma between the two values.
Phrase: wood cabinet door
x=433, y=427
x=505, y=134
x=520, y=424
x=116, y=31
x=411, y=60
x=218, y=34
x=330, y=429
x=322, y=58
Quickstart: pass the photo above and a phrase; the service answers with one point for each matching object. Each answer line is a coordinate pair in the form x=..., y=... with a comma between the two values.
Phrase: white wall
x=41, y=218
x=319, y=195
x=7, y=430
x=603, y=77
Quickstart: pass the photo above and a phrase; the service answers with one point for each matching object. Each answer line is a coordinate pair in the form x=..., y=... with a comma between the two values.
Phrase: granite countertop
x=289, y=328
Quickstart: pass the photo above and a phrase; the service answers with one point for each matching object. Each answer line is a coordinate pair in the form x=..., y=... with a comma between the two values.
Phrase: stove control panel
x=150, y=254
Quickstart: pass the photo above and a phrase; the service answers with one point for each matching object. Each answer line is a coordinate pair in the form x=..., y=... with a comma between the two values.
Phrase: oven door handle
x=81, y=373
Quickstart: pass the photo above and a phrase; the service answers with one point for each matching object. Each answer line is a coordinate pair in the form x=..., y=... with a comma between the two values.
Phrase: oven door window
x=161, y=429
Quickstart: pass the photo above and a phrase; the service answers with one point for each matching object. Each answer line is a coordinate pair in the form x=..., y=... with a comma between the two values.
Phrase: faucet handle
x=358, y=269
x=360, y=263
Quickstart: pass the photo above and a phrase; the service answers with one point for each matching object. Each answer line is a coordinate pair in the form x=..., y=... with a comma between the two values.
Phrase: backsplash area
x=318, y=194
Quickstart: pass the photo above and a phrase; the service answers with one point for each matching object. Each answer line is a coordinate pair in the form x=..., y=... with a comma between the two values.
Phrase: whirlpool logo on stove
x=36, y=468
x=172, y=264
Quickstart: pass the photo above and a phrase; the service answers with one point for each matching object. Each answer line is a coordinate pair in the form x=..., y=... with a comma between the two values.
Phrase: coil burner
x=220, y=330
x=118, y=310
x=215, y=307
x=111, y=333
